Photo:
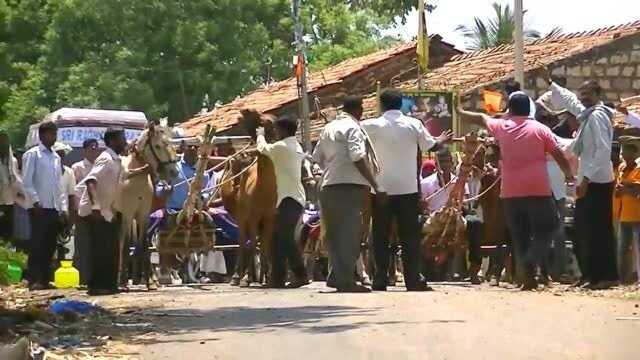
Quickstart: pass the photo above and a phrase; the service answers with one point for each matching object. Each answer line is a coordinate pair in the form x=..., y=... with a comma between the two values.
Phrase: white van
x=77, y=125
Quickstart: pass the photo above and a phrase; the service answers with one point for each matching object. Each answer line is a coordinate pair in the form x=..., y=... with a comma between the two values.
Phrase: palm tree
x=496, y=31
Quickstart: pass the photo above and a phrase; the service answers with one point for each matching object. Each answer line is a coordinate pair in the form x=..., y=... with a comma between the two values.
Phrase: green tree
x=163, y=56
x=336, y=31
x=495, y=31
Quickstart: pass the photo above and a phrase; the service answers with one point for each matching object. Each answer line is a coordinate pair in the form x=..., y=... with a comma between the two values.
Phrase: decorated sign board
x=435, y=109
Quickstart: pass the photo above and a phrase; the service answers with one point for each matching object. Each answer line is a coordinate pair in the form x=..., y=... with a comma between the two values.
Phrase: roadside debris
x=55, y=327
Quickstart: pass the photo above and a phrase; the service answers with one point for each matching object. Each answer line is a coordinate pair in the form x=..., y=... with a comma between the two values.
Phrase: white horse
x=150, y=158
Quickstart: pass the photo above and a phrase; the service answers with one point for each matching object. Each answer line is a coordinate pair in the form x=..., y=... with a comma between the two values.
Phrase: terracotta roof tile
x=469, y=71
x=281, y=93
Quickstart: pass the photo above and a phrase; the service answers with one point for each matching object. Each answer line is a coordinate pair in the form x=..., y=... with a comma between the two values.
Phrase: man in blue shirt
x=42, y=177
x=179, y=186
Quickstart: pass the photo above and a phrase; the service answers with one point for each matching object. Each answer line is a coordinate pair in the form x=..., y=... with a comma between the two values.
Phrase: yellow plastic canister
x=66, y=276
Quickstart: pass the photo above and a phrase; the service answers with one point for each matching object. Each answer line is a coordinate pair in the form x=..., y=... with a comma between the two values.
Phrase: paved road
x=456, y=322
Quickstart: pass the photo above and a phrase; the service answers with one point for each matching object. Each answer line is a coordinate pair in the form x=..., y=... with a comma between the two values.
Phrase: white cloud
x=542, y=15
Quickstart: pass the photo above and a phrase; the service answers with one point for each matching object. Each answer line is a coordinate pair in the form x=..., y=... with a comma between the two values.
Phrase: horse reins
x=216, y=167
x=161, y=164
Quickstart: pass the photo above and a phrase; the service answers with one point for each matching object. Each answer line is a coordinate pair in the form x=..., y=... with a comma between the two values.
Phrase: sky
x=542, y=15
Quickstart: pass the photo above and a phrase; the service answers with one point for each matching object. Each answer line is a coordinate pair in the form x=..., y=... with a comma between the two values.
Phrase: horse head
x=154, y=147
x=251, y=120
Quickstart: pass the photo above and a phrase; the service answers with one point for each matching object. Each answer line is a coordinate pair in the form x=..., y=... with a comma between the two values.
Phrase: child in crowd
x=626, y=205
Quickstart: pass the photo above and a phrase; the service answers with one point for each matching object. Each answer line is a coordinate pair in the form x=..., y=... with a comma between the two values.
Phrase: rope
x=215, y=167
x=439, y=190
x=474, y=198
x=231, y=178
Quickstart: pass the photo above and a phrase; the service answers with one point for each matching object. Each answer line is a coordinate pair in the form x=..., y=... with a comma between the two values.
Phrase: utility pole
x=519, y=42
x=302, y=77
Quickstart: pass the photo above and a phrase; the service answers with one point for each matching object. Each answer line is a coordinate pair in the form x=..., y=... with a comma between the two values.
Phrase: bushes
x=9, y=256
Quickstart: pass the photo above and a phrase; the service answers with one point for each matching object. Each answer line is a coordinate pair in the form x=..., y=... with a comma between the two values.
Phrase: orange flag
x=492, y=101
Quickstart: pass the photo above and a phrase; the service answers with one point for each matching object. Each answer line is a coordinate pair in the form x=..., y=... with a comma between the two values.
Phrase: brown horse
x=251, y=200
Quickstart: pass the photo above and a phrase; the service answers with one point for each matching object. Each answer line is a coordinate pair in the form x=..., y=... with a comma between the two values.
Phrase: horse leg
x=145, y=254
x=266, y=242
x=123, y=251
x=134, y=259
x=240, y=260
x=249, y=269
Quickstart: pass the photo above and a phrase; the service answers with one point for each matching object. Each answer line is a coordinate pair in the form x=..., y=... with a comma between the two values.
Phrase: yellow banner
x=422, y=48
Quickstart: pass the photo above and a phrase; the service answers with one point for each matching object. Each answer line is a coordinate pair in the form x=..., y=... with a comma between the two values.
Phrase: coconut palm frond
x=495, y=31
x=554, y=32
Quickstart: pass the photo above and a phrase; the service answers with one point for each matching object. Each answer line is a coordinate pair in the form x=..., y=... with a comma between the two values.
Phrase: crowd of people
x=538, y=164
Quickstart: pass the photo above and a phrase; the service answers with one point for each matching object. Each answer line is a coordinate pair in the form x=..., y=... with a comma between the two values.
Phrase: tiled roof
x=284, y=92
x=469, y=71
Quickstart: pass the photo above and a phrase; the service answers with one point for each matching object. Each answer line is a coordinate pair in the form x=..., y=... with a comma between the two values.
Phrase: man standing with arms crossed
x=81, y=256
x=397, y=138
x=97, y=210
x=344, y=152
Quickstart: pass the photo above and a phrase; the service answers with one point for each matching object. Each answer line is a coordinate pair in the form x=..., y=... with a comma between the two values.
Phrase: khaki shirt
x=107, y=172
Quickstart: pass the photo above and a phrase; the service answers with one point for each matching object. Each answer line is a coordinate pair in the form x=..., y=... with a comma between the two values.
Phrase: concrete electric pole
x=302, y=77
x=519, y=42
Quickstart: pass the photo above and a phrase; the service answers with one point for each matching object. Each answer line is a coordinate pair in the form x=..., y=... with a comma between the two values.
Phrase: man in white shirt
x=397, y=139
x=433, y=197
x=631, y=118
x=81, y=254
x=595, y=182
x=287, y=157
x=68, y=181
x=345, y=154
x=90, y=151
x=42, y=177
x=97, y=209
x=547, y=100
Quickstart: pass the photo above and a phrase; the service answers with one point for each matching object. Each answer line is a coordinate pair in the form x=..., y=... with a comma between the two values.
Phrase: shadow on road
x=306, y=319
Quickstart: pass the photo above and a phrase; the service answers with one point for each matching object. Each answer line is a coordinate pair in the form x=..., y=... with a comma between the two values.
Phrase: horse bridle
x=161, y=163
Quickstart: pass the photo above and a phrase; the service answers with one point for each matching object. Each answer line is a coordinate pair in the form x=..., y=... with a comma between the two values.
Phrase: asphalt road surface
x=455, y=322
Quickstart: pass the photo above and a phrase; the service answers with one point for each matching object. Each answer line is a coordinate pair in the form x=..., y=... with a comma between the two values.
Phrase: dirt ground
x=457, y=321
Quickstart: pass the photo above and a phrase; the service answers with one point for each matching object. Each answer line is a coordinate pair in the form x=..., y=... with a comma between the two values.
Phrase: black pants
x=404, y=210
x=595, y=244
x=103, y=252
x=531, y=222
x=285, y=248
x=45, y=226
x=6, y=222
